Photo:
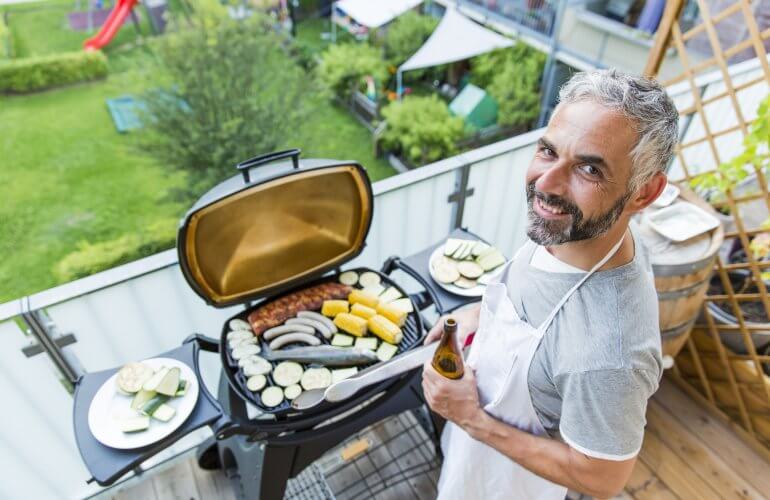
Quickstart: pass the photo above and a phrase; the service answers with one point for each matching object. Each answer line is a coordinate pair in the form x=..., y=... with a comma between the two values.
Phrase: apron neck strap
x=542, y=328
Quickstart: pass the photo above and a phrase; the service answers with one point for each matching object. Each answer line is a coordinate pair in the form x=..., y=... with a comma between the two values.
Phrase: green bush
x=344, y=65
x=227, y=92
x=422, y=129
x=5, y=37
x=512, y=77
x=90, y=258
x=44, y=72
x=407, y=34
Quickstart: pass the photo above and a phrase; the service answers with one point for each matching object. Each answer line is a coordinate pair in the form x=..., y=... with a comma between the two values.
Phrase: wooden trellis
x=735, y=386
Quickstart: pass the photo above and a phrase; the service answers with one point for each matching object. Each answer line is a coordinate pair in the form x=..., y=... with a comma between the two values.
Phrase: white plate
x=682, y=221
x=109, y=405
x=476, y=291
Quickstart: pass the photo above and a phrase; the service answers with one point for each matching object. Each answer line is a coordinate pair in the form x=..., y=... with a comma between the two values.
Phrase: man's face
x=577, y=183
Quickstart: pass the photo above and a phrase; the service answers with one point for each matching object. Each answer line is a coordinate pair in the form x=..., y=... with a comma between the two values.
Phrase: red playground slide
x=111, y=26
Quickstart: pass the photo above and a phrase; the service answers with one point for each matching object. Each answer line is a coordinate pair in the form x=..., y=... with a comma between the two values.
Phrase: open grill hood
x=246, y=240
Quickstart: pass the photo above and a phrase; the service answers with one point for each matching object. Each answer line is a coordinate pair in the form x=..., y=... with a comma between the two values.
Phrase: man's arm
x=457, y=401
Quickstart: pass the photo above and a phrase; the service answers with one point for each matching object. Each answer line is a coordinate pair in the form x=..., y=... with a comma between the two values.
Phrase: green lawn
x=309, y=34
x=68, y=177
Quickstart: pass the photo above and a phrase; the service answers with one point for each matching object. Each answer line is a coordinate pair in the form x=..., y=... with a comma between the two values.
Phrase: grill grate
x=412, y=331
x=400, y=463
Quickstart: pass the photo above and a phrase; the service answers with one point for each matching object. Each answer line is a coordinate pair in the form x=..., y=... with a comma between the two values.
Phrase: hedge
x=38, y=73
x=93, y=258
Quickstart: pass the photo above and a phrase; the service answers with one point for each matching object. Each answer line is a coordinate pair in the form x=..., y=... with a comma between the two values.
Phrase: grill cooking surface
x=412, y=331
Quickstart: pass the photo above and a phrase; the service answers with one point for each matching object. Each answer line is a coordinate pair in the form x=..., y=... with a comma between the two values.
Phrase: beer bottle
x=448, y=360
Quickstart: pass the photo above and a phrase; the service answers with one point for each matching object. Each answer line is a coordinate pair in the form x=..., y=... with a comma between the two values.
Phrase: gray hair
x=641, y=100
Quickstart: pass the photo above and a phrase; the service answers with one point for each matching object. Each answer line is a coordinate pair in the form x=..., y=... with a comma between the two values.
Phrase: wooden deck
x=687, y=454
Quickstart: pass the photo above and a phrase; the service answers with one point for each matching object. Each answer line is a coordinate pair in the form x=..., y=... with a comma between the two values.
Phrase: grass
x=69, y=177
x=309, y=34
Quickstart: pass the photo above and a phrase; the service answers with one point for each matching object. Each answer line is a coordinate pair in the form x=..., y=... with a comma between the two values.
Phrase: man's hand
x=455, y=400
x=467, y=323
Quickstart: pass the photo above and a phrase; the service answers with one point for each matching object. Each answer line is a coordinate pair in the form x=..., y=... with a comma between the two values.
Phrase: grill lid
x=249, y=238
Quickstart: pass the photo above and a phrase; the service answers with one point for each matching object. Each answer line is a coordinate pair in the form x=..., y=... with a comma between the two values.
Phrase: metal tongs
x=346, y=388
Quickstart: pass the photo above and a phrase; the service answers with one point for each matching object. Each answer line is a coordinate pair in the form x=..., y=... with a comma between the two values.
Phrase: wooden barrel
x=682, y=273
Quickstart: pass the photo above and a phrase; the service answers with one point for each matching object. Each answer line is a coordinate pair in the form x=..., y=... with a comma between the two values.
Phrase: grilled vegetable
x=164, y=413
x=287, y=373
x=152, y=383
x=245, y=350
x=489, y=261
x=237, y=342
x=318, y=317
x=362, y=311
x=324, y=355
x=385, y=329
x=369, y=279
x=342, y=340
x=316, y=378
x=404, y=304
x=239, y=324
x=362, y=297
x=445, y=270
x=258, y=366
x=479, y=248
x=389, y=295
x=394, y=314
x=351, y=324
x=182, y=389
x=470, y=270
x=291, y=338
x=141, y=398
x=386, y=351
x=463, y=282
x=316, y=325
x=349, y=278
x=272, y=396
x=374, y=290
x=451, y=246
x=277, y=331
x=134, y=424
x=256, y=383
x=132, y=377
x=239, y=334
x=292, y=391
x=343, y=373
x=367, y=343
x=332, y=308
x=170, y=382
x=152, y=405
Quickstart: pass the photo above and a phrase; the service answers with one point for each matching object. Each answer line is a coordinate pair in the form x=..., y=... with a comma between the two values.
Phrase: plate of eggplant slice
x=142, y=403
x=465, y=267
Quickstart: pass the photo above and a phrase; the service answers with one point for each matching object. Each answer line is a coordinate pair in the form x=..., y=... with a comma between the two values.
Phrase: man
x=567, y=347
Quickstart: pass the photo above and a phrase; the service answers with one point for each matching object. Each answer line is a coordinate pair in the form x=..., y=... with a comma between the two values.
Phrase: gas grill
x=251, y=241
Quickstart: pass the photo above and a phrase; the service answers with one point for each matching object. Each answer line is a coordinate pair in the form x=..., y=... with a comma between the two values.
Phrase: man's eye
x=547, y=151
x=591, y=170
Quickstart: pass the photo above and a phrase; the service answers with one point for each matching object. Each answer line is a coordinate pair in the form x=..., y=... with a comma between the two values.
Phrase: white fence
x=146, y=307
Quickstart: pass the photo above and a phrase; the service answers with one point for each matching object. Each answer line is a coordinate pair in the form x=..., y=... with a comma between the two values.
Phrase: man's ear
x=648, y=192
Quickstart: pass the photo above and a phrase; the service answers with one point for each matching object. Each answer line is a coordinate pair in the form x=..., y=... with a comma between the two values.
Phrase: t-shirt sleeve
x=603, y=411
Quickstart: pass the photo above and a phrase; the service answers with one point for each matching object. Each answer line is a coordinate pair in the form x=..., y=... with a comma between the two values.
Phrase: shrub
x=512, y=77
x=407, y=34
x=344, y=65
x=422, y=129
x=93, y=258
x=44, y=72
x=229, y=91
x=5, y=37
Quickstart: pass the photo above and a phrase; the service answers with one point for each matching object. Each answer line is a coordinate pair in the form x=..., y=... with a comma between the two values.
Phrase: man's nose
x=554, y=180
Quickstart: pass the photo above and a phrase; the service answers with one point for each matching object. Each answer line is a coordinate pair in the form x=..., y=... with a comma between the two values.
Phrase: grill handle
x=256, y=161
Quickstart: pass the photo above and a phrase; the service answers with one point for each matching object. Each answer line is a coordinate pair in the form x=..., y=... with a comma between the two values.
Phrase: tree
x=422, y=129
x=406, y=35
x=228, y=91
x=344, y=65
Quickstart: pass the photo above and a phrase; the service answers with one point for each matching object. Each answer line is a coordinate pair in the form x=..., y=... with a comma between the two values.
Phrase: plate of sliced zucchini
x=465, y=267
x=143, y=403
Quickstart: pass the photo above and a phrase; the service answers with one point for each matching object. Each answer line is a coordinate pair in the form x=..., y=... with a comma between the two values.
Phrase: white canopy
x=454, y=39
x=375, y=13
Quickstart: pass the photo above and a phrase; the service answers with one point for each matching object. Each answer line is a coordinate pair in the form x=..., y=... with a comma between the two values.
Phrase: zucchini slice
x=369, y=279
x=182, y=389
x=375, y=289
x=389, y=295
x=342, y=340
x=170, y=383
x=470, y=270
x=349, y=278
x=256, y=383
x=404, y=304
x=343, y=373
x=287, y=373
x=164, y=413
x=316, y=378
x=386, y=351
x=135, y=424
x=463, y=282
x=292, y=391
x=367, y=343
x=239, y=324
x=132, y=377
x=451, y=246
x=245, y=350
x=155, y=380
x=491, y=260
x=151, y=406
x=272, y=396
x=141, y=398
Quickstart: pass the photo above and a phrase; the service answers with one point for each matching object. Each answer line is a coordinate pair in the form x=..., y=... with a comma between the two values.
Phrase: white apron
x=500, y=355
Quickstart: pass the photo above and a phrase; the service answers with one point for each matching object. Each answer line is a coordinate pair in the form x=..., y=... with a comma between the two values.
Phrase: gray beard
x=547, y=232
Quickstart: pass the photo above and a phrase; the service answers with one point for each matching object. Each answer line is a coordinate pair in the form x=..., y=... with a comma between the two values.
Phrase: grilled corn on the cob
x=362, y=311
x=351, y=324
x=394, y=314
x=332, y=308
x=362, y=297
x=385, y=329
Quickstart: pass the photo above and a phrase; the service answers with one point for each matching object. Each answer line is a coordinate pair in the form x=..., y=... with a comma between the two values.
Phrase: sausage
x=276, y=312
x=316, y=325
x=277, y=331
x=290, y=338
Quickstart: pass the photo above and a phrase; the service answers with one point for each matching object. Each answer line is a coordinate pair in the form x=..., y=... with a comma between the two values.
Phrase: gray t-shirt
x=600, y=360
